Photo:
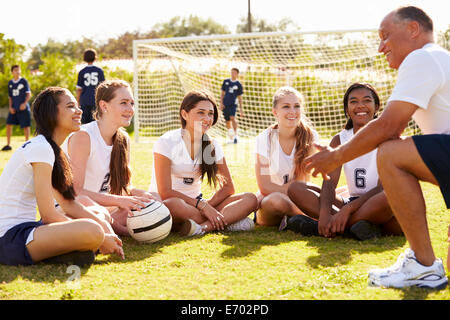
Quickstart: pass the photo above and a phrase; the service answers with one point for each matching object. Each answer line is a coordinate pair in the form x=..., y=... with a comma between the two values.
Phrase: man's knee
x=387, y=153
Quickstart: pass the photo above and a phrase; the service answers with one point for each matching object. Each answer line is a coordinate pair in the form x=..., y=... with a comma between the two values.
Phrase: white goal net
x=321, y=65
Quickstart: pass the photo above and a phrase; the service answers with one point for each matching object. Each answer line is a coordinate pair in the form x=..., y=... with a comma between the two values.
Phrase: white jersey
x=361, y=173
x=17, y=193
x=97, y=176
x=185, y=172
x=281, y=165
x=424, y=80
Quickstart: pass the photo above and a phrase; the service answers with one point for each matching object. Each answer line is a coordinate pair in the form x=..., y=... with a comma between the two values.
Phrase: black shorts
x=229, y=111
x=434, y=149
x=13, y=246
x=22, y=118
x=88, y=114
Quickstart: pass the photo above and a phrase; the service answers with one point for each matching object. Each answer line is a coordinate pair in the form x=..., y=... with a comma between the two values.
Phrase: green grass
x=263, y=264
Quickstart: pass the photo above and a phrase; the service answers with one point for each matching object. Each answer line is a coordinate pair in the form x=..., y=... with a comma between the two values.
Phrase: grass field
x=262, y=264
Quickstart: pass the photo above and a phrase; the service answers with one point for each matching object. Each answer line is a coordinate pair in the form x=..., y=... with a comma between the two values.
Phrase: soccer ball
x=151, y=224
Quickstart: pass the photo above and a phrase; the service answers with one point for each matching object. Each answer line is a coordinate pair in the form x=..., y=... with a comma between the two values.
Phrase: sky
x=35, y=21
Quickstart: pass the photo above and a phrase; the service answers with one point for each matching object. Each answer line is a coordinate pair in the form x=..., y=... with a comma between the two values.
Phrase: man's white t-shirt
x=97, y=175
x=17, y=193
x=281, y=165
x=361, y=173
x=424, y=80
x=185, y=172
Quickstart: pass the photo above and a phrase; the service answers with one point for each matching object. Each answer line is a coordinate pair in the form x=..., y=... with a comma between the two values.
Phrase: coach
x=422, y=92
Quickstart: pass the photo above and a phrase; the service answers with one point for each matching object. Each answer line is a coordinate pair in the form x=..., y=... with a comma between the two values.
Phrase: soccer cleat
x=364, y=230
x=6, y=148
x=79, y=258
x=304, y=225
x=245, y=224
x=191, y=228
x=407, y=272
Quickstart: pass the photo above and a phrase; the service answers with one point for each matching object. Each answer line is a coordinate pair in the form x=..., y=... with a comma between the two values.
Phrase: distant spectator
x=88, y=79
x=19, y=94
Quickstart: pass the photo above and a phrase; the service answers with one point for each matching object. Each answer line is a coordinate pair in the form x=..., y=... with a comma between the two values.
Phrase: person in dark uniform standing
x=88, y=79
x=231, y=96
x=19, y=94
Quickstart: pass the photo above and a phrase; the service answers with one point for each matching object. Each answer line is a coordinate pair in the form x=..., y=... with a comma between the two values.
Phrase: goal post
x=321, y=65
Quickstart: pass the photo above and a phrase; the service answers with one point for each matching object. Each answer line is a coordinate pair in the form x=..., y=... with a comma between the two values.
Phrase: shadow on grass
x=41, y=273
x=338, y=251
x=331, y=252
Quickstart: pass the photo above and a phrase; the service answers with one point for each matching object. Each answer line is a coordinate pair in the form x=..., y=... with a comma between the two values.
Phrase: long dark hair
x=207, y=166
x=120, y=173
x=357, y=85
x=45, y=112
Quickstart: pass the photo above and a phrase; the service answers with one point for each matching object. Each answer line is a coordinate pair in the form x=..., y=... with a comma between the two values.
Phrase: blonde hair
x=303, y=133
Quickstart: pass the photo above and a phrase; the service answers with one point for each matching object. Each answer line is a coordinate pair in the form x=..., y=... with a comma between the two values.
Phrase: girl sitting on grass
x=182, y=158
x=280, y=151
x=100, y=154
x=38, y=173
x=366, y=214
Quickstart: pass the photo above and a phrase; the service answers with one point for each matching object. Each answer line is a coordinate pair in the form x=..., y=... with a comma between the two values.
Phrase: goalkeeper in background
x=230, y=97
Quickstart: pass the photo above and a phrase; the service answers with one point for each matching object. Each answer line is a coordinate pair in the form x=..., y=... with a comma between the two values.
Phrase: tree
x=262, y=25
x=10, y=54
x=189, y=26
x=69, y=49
x=444, y=38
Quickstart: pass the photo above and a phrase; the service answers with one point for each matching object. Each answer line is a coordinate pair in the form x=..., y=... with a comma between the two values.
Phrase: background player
x=88, y=79
x=19, y=94
x=230, y=97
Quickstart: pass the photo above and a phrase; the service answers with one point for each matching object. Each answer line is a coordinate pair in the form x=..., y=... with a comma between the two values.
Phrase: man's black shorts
x=435, y=152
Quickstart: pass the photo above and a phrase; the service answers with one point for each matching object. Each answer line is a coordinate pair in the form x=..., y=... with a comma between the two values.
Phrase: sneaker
x=79, y=258
x=6, y=148
x=235, y=140
x=304, y=225
x=283, y=223
x=245, y=224
x=407, y=272
x=191, y=228
x=364, y=230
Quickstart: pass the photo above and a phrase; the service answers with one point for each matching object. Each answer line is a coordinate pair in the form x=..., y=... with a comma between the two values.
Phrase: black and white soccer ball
x=152, y=223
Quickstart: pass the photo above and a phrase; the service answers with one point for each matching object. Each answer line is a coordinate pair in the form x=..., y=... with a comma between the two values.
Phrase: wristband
x=199, y=198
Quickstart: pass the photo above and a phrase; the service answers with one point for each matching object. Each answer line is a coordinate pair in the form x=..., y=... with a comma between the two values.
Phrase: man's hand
x=322, y=162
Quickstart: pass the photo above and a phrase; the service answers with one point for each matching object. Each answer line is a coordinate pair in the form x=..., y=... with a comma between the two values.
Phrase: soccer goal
x=321, y=65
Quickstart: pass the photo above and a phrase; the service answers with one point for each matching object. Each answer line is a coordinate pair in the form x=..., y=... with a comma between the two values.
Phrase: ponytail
x=304, y=139
x=120, y=173
x=118, y=166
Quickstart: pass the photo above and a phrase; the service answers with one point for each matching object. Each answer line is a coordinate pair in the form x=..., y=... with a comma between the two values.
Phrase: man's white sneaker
x=245, y=224
x=407, y=271
x=191, y=228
